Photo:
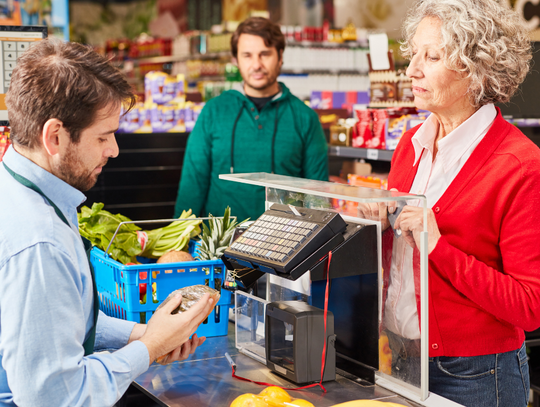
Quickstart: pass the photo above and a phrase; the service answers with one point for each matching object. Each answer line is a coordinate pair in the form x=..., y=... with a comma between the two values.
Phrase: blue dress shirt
x=46, y=302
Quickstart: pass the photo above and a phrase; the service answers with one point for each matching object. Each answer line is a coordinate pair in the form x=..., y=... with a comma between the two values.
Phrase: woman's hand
x=411, y=222
x=377, y=211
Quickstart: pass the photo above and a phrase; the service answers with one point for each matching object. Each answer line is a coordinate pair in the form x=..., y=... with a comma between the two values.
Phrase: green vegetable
x=99, y=225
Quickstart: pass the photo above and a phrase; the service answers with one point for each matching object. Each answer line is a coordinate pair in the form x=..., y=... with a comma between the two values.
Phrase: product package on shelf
x=363, y=131
x=399, y=121
x=164, y=110
x=4, y=140
x=369, y=131
x=161, y=88
x=341, y=133
x=154, y=118
x=374, y=181
x=388, y=88
x=175, y=118
x=150, y=47
x=137, y=120
x=337, y=99
x=383, y=128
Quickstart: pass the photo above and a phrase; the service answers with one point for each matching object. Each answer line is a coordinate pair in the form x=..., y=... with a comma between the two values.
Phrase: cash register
x=289, y=241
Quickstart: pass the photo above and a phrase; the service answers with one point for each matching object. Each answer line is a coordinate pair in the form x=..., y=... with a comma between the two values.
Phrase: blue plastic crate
x=119, y=287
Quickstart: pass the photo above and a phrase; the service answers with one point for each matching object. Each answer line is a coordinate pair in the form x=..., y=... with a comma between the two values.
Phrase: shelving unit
x=327, y=44
x=358, y=153
x=181, y=58
x=142, y=182
x=323, y=71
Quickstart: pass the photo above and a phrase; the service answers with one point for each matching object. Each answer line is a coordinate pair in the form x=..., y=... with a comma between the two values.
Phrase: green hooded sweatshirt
x=232, y=136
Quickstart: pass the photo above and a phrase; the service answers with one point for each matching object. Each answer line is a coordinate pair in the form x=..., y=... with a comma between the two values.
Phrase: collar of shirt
x=275, y=97
x=456, y=143
x=62, y=194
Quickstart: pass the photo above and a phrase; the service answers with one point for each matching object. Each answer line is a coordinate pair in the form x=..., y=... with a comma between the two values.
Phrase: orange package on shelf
x=369, y=181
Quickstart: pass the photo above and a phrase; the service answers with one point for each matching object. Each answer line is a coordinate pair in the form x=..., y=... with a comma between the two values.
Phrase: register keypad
x=274, y=238
x=284, y=237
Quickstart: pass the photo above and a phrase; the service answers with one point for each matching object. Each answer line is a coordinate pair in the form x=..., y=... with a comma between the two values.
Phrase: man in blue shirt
x=64, y=106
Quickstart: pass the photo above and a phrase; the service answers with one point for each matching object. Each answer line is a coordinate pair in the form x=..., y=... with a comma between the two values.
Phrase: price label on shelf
x=372, y=154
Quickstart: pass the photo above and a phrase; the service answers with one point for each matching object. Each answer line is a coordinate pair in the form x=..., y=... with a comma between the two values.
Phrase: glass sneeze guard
x=319, y=188
x=347, y=200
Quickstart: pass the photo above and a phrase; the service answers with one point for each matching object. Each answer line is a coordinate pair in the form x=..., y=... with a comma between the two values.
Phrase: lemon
x=275, y=396
x=248, y=400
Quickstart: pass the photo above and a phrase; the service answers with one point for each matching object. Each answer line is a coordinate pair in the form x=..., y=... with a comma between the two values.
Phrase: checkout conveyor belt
x=205, y=379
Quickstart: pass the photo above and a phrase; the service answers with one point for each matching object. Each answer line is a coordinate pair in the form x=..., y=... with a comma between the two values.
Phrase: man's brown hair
x=262, y=27
x=65, y=81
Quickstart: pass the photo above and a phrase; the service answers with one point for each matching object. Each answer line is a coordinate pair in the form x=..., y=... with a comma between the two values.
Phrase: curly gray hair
x=481, y=38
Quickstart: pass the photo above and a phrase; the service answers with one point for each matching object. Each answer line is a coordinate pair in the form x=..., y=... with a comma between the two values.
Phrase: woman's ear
x=51, y=136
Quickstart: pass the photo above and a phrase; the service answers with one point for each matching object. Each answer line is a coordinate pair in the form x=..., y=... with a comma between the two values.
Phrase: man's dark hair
x=262, y=27
x=65, y=81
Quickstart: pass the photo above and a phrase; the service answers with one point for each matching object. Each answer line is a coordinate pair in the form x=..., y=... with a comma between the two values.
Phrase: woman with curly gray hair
x=481, y=178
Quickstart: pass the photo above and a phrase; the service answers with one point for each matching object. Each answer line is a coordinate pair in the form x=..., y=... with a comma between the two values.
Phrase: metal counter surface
x=205, y=379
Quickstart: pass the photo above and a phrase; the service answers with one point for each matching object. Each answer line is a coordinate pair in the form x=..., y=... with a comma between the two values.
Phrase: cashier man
x=262, y=128
x=64, y=106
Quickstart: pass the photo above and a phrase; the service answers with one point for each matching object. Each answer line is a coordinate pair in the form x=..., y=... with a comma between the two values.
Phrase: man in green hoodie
x=263, y=129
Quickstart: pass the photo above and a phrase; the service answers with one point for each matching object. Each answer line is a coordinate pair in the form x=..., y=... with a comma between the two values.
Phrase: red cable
x=326, y=294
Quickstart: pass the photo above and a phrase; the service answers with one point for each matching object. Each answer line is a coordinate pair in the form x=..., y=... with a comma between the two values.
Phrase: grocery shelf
x=366, y=153
x=327, y=44
x=142, y=182
x=324, y=71
x=181, y=58
x=208, y=78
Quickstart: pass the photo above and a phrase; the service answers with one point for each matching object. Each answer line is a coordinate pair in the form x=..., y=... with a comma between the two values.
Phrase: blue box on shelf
x=134, y=292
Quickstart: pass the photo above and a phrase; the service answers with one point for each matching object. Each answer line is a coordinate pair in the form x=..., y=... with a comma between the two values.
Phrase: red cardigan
x=484, y=273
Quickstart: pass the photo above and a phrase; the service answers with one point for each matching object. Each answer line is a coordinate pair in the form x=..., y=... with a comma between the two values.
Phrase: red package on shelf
x=363, y=129
x=378, y=141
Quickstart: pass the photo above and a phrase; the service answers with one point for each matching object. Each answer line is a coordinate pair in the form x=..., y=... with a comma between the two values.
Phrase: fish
x=190, y=296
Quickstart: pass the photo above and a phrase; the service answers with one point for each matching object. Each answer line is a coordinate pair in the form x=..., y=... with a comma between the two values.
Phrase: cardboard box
x=340, y=135
x=355, y=167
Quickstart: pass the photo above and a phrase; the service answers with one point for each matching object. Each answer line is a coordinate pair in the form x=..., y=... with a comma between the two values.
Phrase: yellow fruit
x=248, y=400
x=275, y=396
x=301, y=403
x=366, y=403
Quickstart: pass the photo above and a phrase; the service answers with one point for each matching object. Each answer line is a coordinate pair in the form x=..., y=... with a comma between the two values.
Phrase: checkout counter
x=351, y=283
x=205, y=380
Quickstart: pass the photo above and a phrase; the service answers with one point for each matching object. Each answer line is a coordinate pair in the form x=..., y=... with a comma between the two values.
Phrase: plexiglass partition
x=397, y=316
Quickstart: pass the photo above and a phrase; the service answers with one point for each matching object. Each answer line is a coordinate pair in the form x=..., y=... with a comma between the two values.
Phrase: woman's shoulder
x=515, y=141
x=521, y=152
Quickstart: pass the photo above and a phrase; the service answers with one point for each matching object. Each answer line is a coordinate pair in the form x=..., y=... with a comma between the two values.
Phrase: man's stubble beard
x=71, y=170
x=271, y=80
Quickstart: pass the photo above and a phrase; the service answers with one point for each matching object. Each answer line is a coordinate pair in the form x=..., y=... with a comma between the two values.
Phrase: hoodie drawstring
x=232, y=140
x=273, y=138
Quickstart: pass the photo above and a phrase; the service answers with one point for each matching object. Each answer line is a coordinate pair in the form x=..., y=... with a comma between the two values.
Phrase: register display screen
x=14, y=40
